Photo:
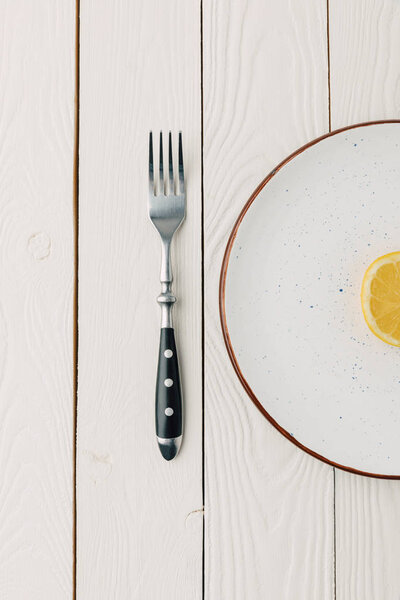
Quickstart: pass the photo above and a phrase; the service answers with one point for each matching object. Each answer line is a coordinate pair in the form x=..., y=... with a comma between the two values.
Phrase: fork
x=167, y=211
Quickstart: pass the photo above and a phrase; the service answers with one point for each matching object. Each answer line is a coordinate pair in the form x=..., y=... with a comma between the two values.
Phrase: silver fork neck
x=166, y=271
x=166, y=300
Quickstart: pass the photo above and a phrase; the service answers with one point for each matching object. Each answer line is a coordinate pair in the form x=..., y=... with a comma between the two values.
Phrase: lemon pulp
x=380, y=298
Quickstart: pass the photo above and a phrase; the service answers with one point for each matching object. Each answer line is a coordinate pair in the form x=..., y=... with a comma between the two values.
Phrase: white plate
x=290, y=298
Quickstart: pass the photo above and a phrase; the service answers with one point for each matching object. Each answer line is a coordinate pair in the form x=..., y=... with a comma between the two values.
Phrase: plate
x=290, y=298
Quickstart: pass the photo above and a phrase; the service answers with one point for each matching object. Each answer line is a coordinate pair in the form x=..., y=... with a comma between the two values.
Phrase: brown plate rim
x=222, y=312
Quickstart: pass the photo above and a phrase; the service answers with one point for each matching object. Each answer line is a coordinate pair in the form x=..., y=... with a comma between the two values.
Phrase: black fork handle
x=168, y=396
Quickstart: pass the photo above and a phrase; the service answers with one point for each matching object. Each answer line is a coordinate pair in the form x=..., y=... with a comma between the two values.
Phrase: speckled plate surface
x=290, y=298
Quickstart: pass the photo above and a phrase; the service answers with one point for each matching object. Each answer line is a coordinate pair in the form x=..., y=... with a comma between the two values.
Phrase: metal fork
x=167, y=211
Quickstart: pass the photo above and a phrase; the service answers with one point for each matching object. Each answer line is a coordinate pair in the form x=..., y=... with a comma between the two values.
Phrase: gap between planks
x=75, y=297
x=328, y=54
x=203, y=591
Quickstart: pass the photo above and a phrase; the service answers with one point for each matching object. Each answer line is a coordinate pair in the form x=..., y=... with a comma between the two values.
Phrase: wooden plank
x=365, y=74
x=269, y=506
x=365, y=60
x=139, y=535
x=36, y=300
x=367, y=544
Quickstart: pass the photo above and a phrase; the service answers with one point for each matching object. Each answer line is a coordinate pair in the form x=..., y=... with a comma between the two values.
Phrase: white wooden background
x=88, y=508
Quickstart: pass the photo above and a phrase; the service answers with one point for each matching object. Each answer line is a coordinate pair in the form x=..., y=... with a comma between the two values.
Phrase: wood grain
x=139, y=517
x=365, y=60
x=36, y=298
x=269, y=506
x=365, y=86
x=367, y=546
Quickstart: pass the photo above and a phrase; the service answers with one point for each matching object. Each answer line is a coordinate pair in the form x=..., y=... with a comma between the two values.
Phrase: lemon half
x=380, y=298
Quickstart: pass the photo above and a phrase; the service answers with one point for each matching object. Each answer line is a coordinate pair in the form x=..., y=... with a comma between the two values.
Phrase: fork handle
x=168, y=396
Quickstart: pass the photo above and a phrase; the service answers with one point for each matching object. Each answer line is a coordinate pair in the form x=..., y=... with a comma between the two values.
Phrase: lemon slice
x=380, y=298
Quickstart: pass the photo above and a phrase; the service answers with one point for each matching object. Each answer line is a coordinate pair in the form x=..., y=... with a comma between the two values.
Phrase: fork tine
x=162, y=191
x=180, y=166
x=170, y=166
x=151, y=164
